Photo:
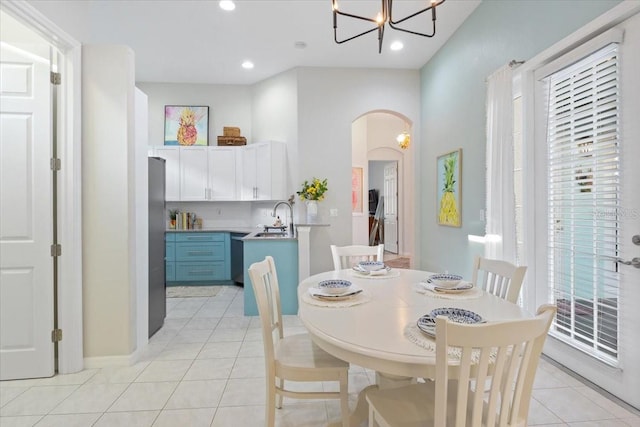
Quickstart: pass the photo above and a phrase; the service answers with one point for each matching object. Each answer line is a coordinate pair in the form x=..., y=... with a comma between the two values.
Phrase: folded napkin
x=428, y=286
x=380, y=272
x=435, y=288
x=351, y=290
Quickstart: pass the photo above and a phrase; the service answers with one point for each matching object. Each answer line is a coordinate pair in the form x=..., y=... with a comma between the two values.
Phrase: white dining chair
x=348, y=256
x=506, y=353
x=500, y=278
x=294, y=357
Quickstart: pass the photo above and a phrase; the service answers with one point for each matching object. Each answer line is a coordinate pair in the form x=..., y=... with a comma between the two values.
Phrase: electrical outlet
x=333, y=212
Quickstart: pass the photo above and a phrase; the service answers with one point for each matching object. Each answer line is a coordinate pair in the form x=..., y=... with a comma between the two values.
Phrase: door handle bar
x=634, y=262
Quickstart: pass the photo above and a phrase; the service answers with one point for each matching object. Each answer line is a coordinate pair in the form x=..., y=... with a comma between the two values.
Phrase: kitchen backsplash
x=234, y=214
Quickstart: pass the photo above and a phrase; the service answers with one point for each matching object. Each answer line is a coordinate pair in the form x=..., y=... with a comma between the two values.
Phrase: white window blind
x=584, y=193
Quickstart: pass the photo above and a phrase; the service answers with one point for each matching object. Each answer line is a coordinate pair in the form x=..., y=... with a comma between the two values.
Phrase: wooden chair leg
x=344, y=400
x=279, y=397
x=372, y=421
x=270, y=405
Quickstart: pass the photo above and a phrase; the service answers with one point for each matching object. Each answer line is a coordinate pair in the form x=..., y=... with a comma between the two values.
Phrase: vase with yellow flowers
x=312, y=192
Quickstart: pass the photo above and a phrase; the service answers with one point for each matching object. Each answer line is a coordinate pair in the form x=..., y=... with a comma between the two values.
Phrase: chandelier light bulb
x=227, y=5
x=379, y=19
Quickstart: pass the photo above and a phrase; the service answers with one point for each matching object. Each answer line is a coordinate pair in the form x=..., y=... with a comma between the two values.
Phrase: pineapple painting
x=187, y=132
x=449, y=189
x=186, y=125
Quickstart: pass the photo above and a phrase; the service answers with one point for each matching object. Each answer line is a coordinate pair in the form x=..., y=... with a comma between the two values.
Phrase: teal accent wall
x=453, y=96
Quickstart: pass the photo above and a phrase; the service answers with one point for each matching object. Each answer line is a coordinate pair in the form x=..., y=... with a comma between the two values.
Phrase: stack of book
x=186, y=221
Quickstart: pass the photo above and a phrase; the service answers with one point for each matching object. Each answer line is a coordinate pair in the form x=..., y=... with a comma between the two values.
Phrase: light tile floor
x=205, y=367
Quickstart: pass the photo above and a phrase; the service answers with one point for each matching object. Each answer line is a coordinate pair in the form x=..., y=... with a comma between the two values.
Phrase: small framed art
x=186, y=125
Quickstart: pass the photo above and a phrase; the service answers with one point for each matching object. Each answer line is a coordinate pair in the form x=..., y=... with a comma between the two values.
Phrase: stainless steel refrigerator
x=157, y=227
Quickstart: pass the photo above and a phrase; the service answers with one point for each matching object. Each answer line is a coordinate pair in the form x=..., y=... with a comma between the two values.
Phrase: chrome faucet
x=273, y=214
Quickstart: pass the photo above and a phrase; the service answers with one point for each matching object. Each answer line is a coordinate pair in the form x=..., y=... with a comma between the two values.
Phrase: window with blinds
x=584, y=193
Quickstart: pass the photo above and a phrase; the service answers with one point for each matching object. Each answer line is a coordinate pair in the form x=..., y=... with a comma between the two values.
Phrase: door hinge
x=56, y=78
x=56, y=335
x=56, y=164
x=56, y=249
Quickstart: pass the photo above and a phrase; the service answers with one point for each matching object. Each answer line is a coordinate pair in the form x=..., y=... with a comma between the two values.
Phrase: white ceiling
x=197, y=42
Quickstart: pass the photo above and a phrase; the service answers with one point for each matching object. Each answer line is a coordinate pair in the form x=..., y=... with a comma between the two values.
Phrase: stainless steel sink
x=271, y=235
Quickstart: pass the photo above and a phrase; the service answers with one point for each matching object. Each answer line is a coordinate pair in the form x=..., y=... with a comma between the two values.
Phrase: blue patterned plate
x=427, y=324
x=335, y=286
x=458, y=315
x=445, y=280
x=371, y=265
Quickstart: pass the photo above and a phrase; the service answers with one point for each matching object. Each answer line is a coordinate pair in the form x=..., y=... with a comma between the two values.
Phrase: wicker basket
x=231, y=131
x=232, y=140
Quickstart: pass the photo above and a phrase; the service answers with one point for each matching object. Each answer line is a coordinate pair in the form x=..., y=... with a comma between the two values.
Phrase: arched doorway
x=375, y=149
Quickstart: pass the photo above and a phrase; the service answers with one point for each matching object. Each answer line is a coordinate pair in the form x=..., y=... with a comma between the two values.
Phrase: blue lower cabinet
x=285, y=257
x=200, y=271
x=198, y=257
x=170, y=271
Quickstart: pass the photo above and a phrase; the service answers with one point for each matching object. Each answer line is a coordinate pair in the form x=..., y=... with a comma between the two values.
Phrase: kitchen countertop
x=249, y=231
x=232, y=229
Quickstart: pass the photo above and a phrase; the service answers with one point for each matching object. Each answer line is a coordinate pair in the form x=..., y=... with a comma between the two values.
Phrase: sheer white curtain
x=500, y=240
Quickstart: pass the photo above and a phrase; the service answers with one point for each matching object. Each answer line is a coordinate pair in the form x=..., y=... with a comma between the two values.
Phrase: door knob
x=636, y=240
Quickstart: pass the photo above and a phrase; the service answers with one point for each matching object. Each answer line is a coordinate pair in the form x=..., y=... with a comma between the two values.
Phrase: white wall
x=229, y=105
x=329, y=100
x=108, y=138
x=140, y=236
x=274, y=117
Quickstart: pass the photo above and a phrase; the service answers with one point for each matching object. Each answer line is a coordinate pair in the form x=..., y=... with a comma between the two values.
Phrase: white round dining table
x=372, y=334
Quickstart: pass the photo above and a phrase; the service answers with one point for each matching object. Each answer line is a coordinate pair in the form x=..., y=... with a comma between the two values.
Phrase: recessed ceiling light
x=396, y=46
x=247, y=65
x=227, y=5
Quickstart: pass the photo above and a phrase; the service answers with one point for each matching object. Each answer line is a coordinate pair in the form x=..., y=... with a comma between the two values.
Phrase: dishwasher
x=237, y=274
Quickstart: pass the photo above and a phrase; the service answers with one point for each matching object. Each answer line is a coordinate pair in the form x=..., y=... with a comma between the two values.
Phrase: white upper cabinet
x=249, y=155
x=222, y=173
x=194, y=175
x=263, y=171
x=250, y=172
x=172, y=170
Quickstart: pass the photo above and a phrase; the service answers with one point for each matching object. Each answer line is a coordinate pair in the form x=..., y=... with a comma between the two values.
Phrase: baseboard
x=109, y=361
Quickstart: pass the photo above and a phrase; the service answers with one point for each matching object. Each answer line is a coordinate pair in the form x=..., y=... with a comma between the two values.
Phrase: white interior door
x=26, y=220
x=390, y=193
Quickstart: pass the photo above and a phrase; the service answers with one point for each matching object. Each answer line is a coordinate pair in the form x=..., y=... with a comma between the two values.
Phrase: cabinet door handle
x=200, y=253
x=199, y=272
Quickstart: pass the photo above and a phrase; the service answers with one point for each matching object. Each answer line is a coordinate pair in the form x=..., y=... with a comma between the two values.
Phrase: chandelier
x=385, y=16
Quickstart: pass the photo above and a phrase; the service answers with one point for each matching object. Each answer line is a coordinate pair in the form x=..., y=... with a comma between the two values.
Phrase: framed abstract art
x=186, y=125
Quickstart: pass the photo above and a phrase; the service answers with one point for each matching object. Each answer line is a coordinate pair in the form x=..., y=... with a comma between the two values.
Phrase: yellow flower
x=313, y=190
